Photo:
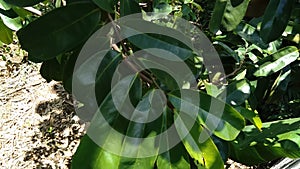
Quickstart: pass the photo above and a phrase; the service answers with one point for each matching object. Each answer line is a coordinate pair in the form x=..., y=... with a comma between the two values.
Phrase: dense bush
x=261, y=88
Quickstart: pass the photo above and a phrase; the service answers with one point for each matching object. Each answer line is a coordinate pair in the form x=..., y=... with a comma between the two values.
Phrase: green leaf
x=228, y=50
x=68, y=71
x=143, y=113
x=24, y=14
x=258, y=92
x=106, y=5
x=276, y=18
x=166, y=72
x=277, y=139
x=237, y=92
x=162, y=73
x=23, y=3
x=250, y=34
x=86, y=154
x=227, y=13
x=175, y=158
x=117, y=140
x=105, y=73
x=217, y=16
x=162, y=7
x=75, y=24
x=135, y=33
x=280, y=86
x=6, y=35
x=199, y=145
x=277, y=61
x=128, y=7
x=91, y=156
x=230, y=122
x=12, y=23
x=252, y=116
x=4, y=5
x=212, y=89
x=95, y=77
x=52, y=70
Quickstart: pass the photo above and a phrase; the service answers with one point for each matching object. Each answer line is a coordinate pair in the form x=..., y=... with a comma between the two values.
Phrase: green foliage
x=11, y=19
x=228, y=14
x=231, y=122
x=6, y=35
x=78, y=19
x=276, y=19
x=260, y=99
x=277, y=139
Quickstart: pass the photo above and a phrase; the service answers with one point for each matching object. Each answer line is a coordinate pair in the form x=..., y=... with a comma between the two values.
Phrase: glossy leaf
x=90, y=155
x=199, y=145
x=75, y=24
x=161, y=7
x=275, y=19
x=137, y=36
x=280, y=86
x=227, y=14
x=275, y=62
x=170, y=75
x=228, y=50
x=252, y=116
x=258, y=91
x=52, y=70
x=93, y=77
x=4, y=5
x=161, y=72
x=175, y=158
x=237, y=92
x=230, y=122
x=6, y=35
x=12, y=23
x=250, y=33
x=277, y=139
x=23, y=13
x=106, y=5
x=23, y=3
x=145, y=109
x=68, y=71
x=212, y=89
x=105, y=73
x=86, y=154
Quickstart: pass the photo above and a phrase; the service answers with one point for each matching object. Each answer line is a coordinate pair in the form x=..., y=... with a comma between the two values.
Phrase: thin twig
x=117, y=33
x=231, y=74
x=132, y=66
x=145, y=78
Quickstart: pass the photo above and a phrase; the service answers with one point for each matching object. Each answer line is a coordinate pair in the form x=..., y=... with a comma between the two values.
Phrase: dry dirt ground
x=38, y=125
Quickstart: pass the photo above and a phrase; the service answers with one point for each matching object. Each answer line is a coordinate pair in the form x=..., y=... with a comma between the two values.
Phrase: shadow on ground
x=59, y=132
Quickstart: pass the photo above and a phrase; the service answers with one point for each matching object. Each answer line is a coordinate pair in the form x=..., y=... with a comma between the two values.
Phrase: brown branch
x=132, y=66
x=117, y=33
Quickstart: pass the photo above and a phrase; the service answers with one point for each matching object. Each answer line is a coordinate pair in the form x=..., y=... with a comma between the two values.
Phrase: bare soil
x=38, y=125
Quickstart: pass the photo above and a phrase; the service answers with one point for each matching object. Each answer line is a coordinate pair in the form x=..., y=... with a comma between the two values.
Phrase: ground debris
x=38, y=125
